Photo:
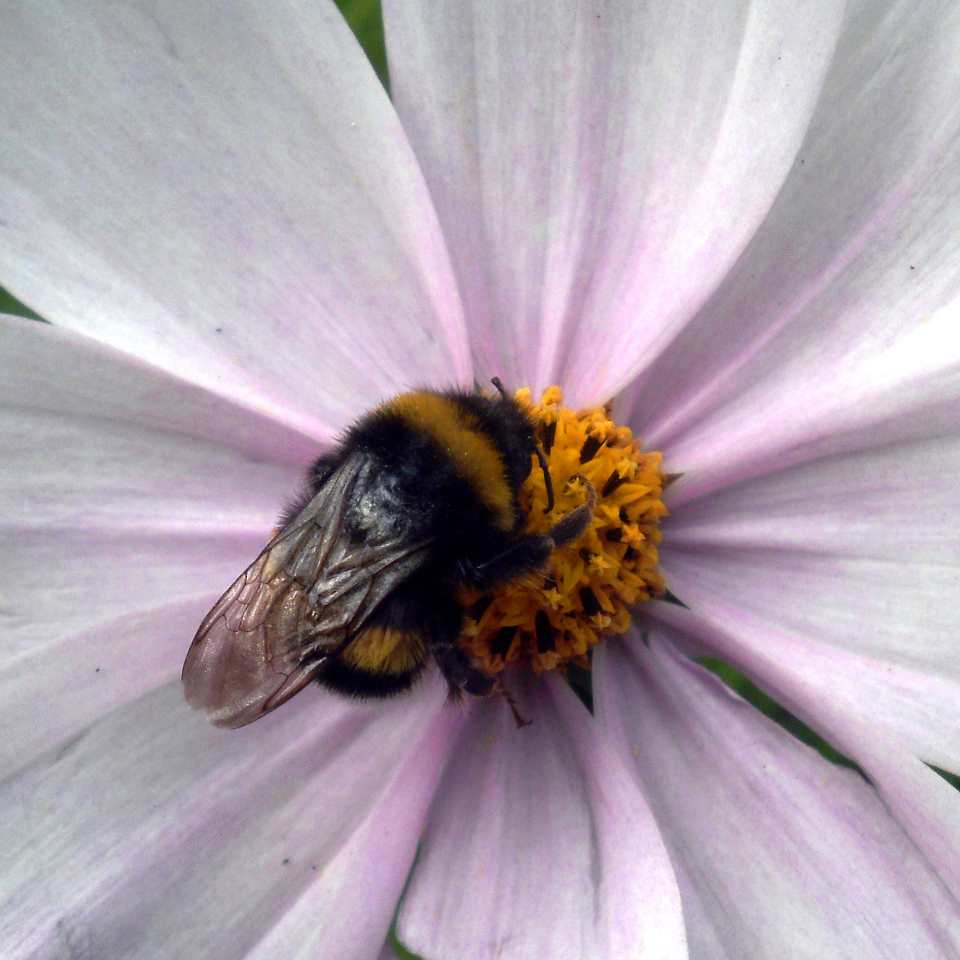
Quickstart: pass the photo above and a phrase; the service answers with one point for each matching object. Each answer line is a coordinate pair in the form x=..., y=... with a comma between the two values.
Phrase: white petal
x=225, y=191
x=837, y=329
x=540, y=845
x=597, y=167
x=129, y=501
x=779, y=852
x=157, y=836
x=95, y=441
x=925, y=805
x=851, y=564
x=50, y=369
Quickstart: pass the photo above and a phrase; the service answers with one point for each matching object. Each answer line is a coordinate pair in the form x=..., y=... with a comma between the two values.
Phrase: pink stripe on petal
x=156, y=835
x=45, y=368
x=131, y=499
x=539, y=845
x=836, y=329
x=911, y=696
x=346, y=910
x=69, y=470
x=638, y=890
x=597, y=167
x=57, y=680
x=779, y=852
x=848, y=715
x=891, y=504
x=851, y=564
x=63, y=582
x=225, y=192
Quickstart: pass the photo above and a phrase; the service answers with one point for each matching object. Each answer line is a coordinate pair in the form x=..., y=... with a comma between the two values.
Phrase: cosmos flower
x=740, y=220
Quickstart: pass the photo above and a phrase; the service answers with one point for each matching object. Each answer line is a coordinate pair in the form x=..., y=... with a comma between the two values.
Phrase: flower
x=741, y=219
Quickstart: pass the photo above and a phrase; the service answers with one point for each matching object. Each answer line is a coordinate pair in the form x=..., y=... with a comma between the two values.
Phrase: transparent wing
x=300, y=601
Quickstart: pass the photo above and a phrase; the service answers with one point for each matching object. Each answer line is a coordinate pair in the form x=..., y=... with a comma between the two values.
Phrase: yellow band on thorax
x=471, y=451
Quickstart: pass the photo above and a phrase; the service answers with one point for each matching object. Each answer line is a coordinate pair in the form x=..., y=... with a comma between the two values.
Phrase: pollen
x=588, y=590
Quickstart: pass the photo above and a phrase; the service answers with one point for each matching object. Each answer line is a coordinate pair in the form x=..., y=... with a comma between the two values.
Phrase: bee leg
x=464, y=677
x=574, y=524
x=518, y=717
x=531, y=552
x=461, y=675
x=442, y=632
x=454, y=662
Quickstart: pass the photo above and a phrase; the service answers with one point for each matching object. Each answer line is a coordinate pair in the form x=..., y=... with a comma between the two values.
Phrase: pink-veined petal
x=50, y=368
x=224, y=190
x=354, y=902
x=129, y=501
x=597, y=167
x=778, y=851
x=156, y=835
x=847, y=568
x=837, y=328
x=540, y=845
x=63, y=669
x=925, y=805
x=102, y=440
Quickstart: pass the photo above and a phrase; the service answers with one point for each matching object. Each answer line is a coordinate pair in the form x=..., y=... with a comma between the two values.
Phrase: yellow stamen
x=550, y=619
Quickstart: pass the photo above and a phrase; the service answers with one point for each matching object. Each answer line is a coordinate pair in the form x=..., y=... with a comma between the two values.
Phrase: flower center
x=553, y=618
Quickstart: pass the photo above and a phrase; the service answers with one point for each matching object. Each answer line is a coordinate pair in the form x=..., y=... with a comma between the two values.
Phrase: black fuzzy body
x=410, y=490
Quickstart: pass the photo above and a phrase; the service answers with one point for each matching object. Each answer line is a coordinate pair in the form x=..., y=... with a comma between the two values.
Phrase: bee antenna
x=541, y=459
x=547, y=481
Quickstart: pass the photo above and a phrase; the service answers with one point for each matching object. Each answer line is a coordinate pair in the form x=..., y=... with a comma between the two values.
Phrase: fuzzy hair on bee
x=358, y=590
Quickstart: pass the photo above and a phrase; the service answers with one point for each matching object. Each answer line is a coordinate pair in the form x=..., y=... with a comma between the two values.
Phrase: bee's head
x=518, y=443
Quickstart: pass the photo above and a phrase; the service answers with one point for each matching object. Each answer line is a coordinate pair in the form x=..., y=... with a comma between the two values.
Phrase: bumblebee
x=359, y=588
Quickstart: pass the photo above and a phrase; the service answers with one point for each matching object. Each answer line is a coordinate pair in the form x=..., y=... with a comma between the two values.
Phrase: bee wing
x=300, y=601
